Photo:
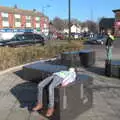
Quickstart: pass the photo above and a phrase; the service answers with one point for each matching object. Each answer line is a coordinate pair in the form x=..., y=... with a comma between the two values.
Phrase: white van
x=6, y=35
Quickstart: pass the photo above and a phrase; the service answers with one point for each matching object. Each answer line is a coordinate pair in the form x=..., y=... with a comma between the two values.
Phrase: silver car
x=99, y=39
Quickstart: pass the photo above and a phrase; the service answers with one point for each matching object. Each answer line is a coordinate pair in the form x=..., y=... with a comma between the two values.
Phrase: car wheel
x=6, y=45
x=42, y=43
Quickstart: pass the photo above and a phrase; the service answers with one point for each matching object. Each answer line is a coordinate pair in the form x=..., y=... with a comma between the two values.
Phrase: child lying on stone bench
x=63, y=78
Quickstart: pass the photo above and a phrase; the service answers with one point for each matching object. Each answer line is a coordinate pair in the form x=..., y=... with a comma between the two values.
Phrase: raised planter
x=115, y=68
x=87, y=58
x=70, y=59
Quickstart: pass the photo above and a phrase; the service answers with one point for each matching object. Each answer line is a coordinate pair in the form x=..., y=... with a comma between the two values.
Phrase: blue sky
x=81, y=9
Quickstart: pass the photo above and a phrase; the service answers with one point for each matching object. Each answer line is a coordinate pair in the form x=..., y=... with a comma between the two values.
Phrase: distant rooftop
x=117, y=10
x=16, y=10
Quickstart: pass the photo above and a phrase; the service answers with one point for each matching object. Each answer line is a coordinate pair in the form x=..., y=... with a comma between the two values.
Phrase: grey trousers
x=109, y=53
x=55, y=81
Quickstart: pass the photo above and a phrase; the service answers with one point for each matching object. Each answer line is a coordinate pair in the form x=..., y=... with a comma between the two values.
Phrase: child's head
x=72, y=69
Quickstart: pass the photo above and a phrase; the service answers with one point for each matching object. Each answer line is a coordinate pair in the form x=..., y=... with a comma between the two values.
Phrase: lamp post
x=69, y=18
x=43, y=11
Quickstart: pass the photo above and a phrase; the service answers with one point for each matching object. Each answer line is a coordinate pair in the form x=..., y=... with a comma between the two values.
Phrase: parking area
x=18, y=96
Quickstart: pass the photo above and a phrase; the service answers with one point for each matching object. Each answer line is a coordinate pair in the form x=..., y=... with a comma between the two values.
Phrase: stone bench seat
x=73, y=99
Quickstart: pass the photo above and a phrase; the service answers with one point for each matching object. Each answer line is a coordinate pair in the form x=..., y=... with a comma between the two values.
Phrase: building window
x=28, y=21
x=5, y=23
x=38, y=22
x=37, y=25
x=37, y=18
x=28, y=25
x=5, y=18
x=17, y=20
x=17, y=24
x=46, y=20
x=28, y=17
x=4, y=15
x=17, y=16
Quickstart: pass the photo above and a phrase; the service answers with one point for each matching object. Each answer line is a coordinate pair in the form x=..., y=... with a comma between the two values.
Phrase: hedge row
x=10, y=57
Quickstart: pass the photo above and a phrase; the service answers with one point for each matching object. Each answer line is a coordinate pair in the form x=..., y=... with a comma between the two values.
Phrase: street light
x=43, y=11
x=69, y=18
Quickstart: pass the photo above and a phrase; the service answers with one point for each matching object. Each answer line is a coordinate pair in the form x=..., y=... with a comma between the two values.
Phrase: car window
x=28, y=37
x=17, y=37
x=100, y=36
x=37, y=36
x=20, y=37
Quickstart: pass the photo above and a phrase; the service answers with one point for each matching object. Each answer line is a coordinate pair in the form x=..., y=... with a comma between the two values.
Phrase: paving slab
x=17, y=96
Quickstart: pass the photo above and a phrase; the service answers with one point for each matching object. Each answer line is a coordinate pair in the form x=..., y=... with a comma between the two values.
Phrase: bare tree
x=58, y=23
x=75, y=21
x=92, y=26
x=61, y=24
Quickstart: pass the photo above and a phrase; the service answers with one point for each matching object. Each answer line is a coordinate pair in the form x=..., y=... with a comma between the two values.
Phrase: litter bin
x=87, y=58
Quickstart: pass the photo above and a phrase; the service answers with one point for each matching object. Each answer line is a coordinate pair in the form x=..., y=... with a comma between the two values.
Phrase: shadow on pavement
x=26, y=94
x=19, y=73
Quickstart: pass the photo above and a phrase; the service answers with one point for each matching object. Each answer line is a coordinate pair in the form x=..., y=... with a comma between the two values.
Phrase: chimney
x=34, y=10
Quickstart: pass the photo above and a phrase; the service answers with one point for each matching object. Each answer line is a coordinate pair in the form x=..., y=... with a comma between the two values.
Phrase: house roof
x=107, y=22
x=21, y=11
x=117, y=10
x=66, y=27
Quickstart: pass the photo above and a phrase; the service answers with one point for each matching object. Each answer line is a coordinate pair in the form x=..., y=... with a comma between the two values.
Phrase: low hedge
x=10, y=57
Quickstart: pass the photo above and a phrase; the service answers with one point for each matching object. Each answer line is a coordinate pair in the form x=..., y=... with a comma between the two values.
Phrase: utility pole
x=43, y=12
x=91, y=17
x=69, y=18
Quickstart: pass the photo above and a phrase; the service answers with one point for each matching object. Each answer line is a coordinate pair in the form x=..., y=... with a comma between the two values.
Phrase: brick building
x=106, y=24
x=117, y=22
x=16, y=18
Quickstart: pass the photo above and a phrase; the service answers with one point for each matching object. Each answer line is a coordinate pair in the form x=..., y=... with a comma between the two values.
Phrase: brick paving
x=18, y=96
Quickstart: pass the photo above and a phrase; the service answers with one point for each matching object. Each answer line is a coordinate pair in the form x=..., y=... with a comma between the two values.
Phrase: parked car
x=97, y=39
x=60, y=36
x=23, y=39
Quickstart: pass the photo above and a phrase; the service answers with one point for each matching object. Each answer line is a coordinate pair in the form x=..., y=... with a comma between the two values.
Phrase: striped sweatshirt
x=68, y=76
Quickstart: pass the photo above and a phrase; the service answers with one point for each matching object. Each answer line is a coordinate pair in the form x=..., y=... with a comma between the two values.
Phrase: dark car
x=97, y=39
x=23, y=39
x=2, y=42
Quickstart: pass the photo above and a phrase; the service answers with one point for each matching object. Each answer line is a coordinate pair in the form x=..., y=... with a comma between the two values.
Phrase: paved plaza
x=17, y=96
